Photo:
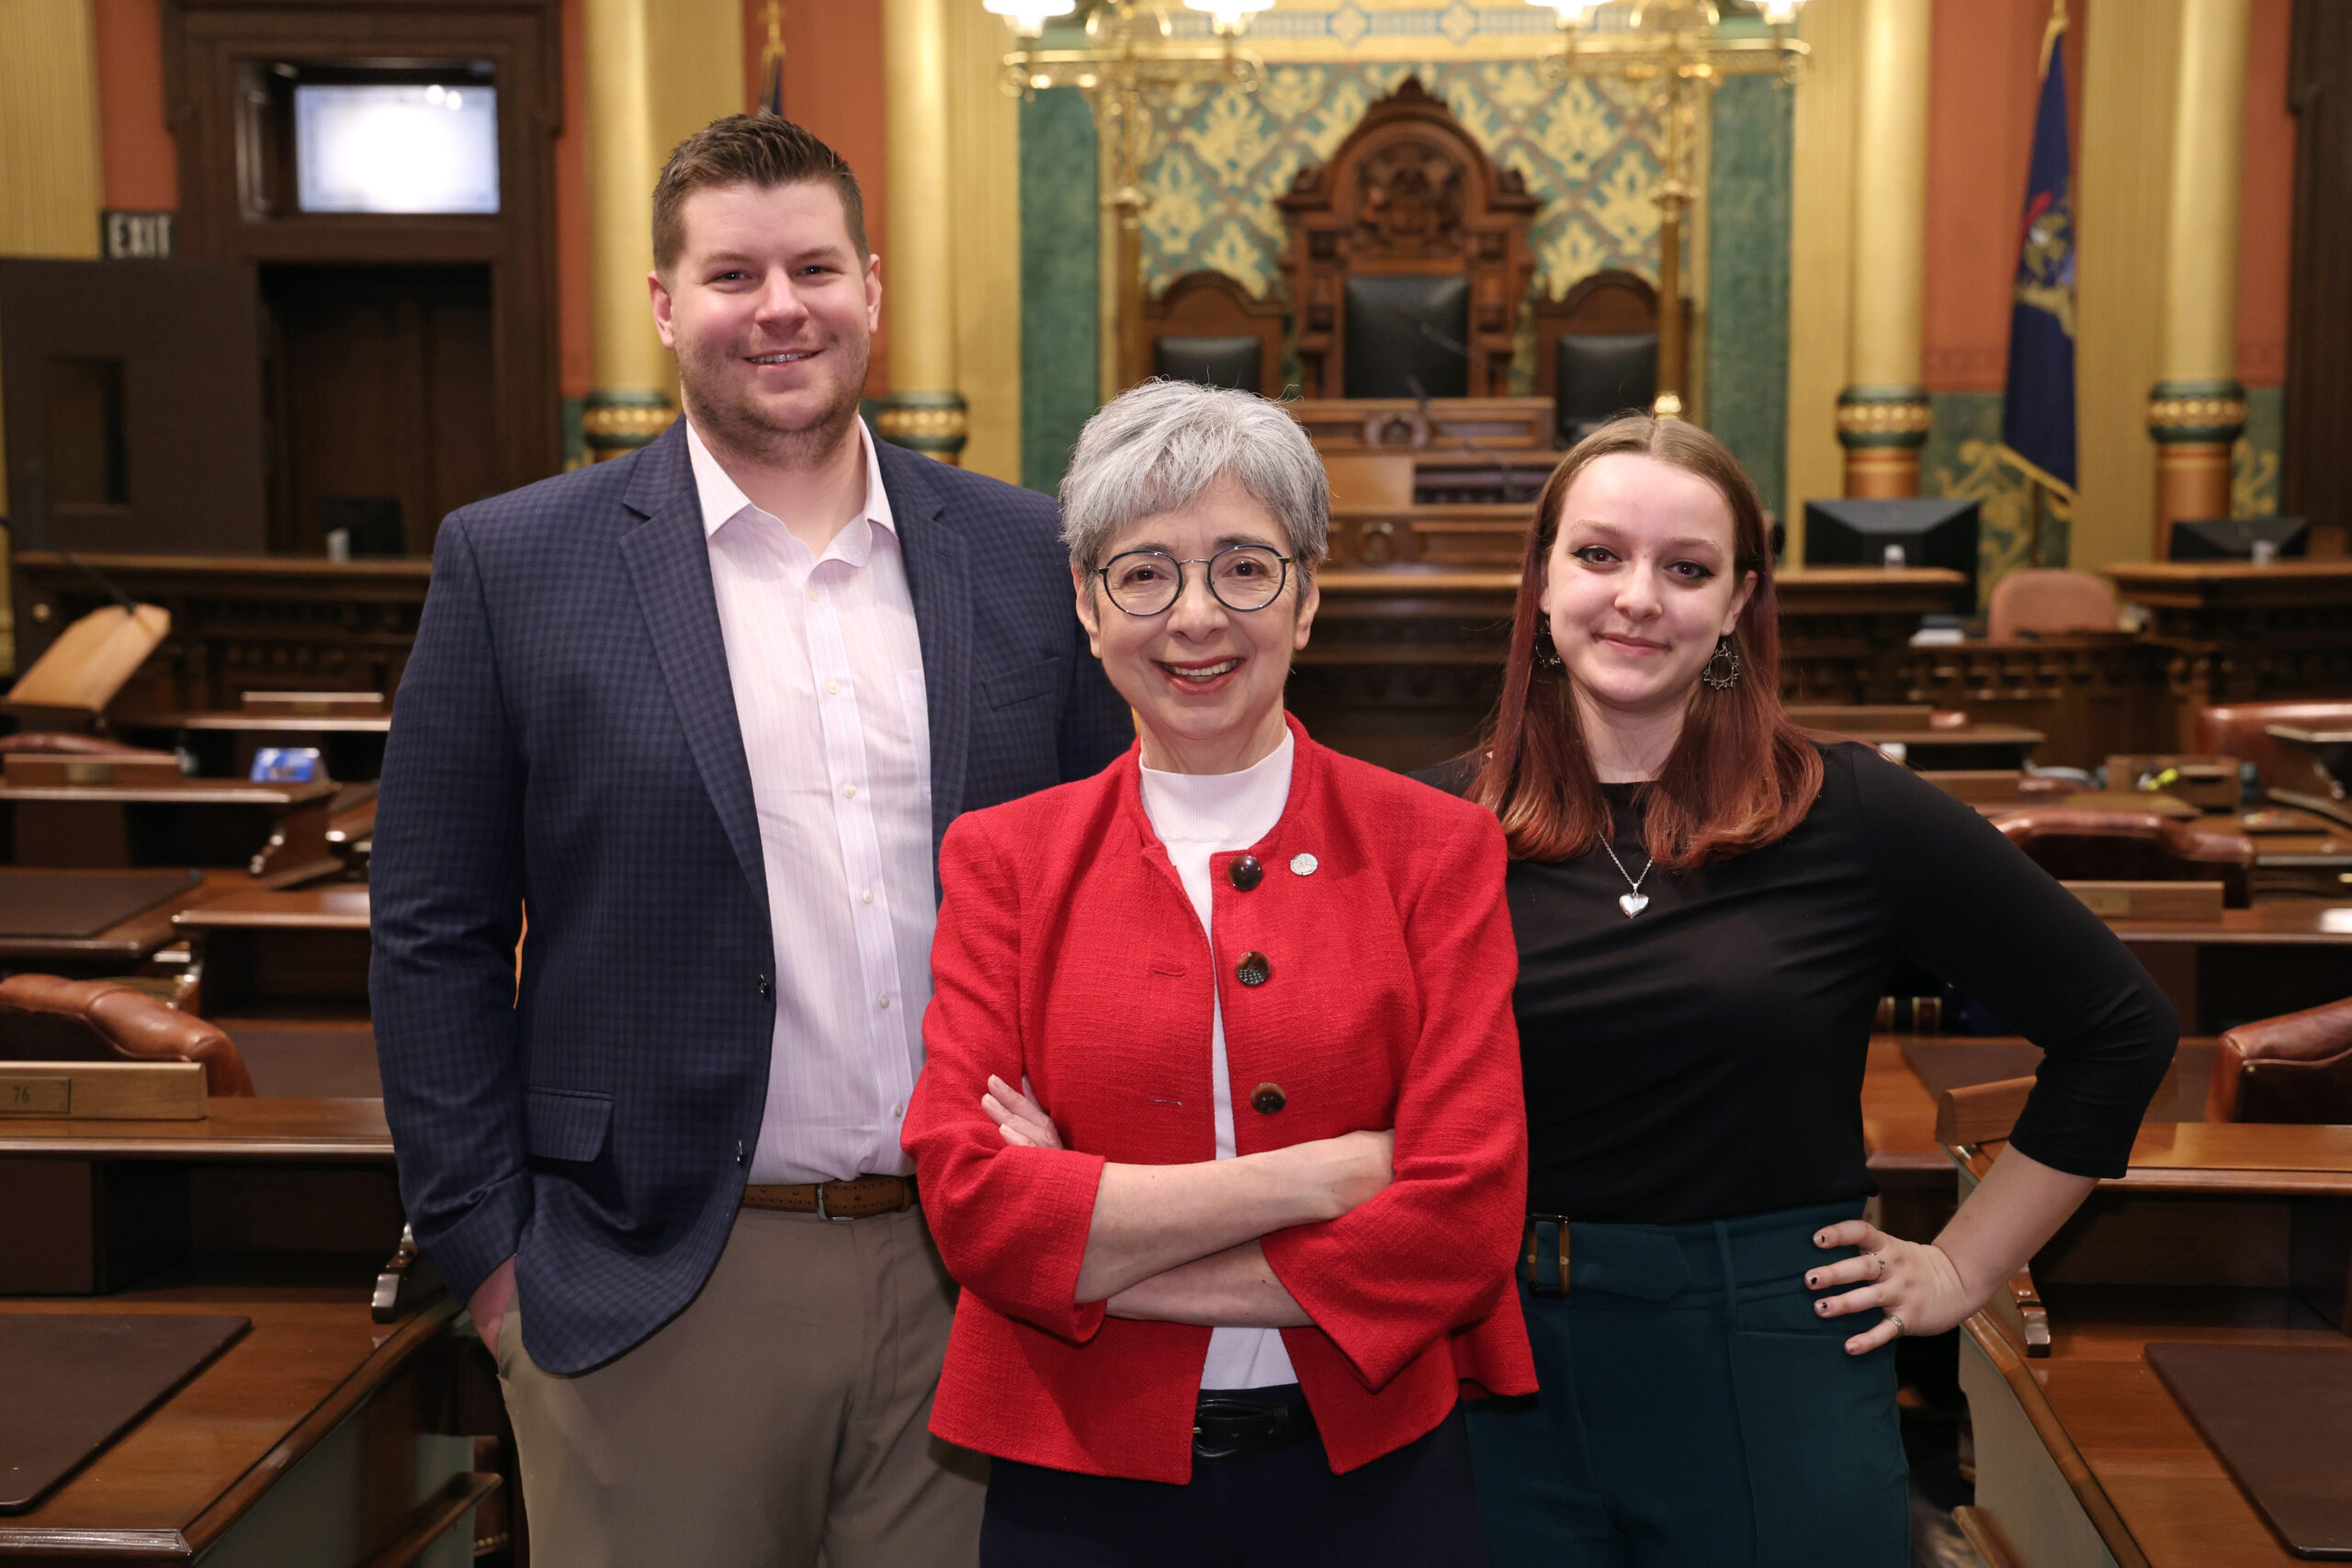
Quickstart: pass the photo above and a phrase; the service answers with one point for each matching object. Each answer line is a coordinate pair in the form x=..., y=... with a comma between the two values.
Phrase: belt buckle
x=1536, y=1283
x=837, y=1219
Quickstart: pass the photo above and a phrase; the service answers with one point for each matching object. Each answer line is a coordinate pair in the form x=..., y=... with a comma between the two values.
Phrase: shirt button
x=767, y=987
x=1253, y=969
x=832, y=688
x=898, y=1110
x=1245, y=873
x=812, y=595
x=849, y=792
x=1267, y=1099
x=866, y=896
x=882, y=1002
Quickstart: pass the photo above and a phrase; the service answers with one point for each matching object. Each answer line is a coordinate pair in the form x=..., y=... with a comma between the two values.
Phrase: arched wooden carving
x=1409, y=191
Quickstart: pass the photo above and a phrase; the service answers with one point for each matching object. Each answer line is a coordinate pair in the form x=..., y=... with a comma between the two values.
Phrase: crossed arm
x=1178, y=1243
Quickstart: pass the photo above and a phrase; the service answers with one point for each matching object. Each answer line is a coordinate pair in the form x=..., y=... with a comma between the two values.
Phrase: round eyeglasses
x=1241, y=577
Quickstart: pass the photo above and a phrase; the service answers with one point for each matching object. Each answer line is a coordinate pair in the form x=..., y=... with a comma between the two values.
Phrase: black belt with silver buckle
x=1226, y=1424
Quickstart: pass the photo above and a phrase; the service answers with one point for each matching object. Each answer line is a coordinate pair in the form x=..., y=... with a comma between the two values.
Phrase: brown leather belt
x=858, y=1199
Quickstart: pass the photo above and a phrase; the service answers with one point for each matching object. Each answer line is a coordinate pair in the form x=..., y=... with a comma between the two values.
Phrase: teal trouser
x=1695, y=1411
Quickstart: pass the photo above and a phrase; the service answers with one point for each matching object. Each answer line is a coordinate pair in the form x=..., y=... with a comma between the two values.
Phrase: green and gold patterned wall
x=1589, y=151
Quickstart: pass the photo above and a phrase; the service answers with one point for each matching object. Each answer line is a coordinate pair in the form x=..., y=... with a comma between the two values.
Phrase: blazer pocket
x=568, y=1125
x=1040, y=680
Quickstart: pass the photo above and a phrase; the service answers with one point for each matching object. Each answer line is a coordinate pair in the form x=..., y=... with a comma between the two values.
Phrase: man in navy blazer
x=668, y=715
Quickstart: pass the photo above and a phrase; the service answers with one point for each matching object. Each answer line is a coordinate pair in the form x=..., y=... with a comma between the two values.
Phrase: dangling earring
x=1721, y=672
x=1546, y=655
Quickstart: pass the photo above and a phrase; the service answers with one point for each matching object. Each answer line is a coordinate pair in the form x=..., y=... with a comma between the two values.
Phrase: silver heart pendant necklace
x=1632, y=903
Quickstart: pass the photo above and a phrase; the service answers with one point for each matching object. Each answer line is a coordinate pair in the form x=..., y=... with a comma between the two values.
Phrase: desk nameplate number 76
x=21, y=1094
x=156, y=1091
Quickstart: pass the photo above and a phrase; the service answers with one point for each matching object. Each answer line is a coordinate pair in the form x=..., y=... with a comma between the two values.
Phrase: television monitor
x=2236, y=538
x=387, y=147
x=1941, y=532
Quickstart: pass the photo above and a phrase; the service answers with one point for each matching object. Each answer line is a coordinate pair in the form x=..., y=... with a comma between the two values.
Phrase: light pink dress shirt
x=827, y=669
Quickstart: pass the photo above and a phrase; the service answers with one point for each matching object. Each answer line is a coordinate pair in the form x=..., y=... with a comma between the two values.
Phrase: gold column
x=987, y=219
x=631, y=403
x=2197, y=408
x=1883, y=412
x=2129, y=75
x=1821, y=250
x=924, y=410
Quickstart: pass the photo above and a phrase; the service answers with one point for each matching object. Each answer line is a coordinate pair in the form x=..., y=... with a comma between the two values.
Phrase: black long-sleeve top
x=1703, y=1059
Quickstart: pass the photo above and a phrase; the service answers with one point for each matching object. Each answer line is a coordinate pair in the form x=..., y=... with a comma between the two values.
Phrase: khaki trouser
x=783, y=1414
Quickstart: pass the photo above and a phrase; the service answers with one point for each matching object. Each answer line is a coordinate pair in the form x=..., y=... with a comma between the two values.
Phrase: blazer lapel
x=942, y=588
x=669, y=562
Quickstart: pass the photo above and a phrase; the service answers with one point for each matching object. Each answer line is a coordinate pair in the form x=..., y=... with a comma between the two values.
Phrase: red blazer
x=1067, y=952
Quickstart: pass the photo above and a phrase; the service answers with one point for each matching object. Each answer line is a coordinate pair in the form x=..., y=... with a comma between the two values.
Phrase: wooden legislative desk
x=2232, y=1234
x=285, y=972
x=2278, y=956
x=266, y=829
x=339, y=1429
x=239, y=622
x=83, y=923
x=1407, y=658
x=2235, y=632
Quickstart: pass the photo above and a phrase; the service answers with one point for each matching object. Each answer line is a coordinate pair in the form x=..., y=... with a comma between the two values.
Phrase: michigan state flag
x=2038, y=417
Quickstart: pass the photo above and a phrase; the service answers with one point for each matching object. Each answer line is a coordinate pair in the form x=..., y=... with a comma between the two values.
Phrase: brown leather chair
x=2047, y=599
x=2076, y=844
x=2242, y=729
x=2295, y=1068
x=46, y=1019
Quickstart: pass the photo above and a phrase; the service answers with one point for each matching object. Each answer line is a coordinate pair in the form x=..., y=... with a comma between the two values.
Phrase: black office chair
x=1406, y=335
x=1595, y=375
x=1212, y=361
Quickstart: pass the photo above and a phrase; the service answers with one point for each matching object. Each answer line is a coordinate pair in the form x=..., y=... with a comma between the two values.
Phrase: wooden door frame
x=208, y=46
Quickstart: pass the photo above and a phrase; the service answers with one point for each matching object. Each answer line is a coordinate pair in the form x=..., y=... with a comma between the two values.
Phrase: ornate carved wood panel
x=1409, y=192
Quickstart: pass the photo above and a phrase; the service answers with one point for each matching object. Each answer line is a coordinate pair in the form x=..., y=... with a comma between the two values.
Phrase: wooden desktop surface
x=2210, y=582
x=187, y=792
x=240, y=722
x=230, y=1129
x=2144, y=1475
x=213, y=1450
x=340, y=908
x=2303, y=922
x=196, y=1464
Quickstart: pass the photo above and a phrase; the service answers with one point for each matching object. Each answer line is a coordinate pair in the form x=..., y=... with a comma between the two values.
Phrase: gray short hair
x=1157, y=446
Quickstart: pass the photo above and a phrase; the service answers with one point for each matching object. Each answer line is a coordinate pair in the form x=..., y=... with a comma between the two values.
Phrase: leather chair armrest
x=131, y=1025
x=2296, y=1067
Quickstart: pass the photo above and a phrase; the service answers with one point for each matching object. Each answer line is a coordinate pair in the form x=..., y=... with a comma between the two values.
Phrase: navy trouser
x=1695, y=1411
x=1272, y=1508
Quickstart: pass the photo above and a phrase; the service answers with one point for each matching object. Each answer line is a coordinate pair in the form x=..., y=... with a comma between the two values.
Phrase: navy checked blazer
x=565, y=740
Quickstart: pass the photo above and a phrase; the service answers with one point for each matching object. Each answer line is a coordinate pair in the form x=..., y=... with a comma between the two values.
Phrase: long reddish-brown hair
x=1740, y=776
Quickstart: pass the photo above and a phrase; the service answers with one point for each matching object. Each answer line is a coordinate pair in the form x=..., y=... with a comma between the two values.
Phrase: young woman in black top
x=1707, y=903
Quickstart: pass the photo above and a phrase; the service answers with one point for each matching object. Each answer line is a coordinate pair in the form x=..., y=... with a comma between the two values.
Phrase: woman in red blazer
x=1220, y=1127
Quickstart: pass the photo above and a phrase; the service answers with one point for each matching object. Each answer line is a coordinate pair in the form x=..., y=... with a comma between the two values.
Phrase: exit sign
x=136, y=236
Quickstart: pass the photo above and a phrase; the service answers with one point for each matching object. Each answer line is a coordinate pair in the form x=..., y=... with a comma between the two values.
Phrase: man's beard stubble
x=740, y=425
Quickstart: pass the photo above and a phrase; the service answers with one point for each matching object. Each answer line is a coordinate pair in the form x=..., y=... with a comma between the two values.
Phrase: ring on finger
x=1880, y=1258
x=1896, y=1318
